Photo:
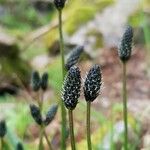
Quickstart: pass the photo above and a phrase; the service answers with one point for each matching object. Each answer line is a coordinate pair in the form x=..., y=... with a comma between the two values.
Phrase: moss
x=77, y=18
x=79, y=13
x=135, y=19
x=99, y=38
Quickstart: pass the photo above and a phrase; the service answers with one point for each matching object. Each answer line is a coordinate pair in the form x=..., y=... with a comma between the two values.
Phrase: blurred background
x=29, y=41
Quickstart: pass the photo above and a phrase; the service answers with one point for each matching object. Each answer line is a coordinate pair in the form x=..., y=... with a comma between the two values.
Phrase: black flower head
x=51, y=114
x=3, y=128
x=19, y=146
x=71, y=88
x=125, y=47
x=35, y=81
x=36, y=114
x=74, y=57
x=92, y=83
x=59, y=4
x=44, y=81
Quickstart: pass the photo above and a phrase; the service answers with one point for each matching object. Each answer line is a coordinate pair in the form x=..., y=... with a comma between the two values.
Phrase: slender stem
x=125, y=113
x=88, y=126
x=71, y=130
x=63, y=110
x=41, y=146
x=2, y=143
x=40, y=102
x=61, y=43
x=48, y=142
x=111, y=129
x=42, y=128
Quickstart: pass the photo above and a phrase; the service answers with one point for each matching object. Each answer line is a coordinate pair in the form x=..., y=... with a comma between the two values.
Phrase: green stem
x=125, y=113
x=111, y=129
x=41, y=146
x=2, y=143
x=42, y=128
x=40, y=102
x=48, y=142
x=88, y=126
x=71, y=130
x=63, y=110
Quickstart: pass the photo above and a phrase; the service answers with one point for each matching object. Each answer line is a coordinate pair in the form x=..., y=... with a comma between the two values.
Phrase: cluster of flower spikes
x=125, y=47
x=36, y=84
x=72, y=85
x=37, y=116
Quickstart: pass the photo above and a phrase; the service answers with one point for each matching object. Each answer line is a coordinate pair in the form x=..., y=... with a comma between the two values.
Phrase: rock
x=8, y=46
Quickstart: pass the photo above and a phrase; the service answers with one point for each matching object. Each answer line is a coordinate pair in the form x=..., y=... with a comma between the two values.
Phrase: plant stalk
x=42, y=128
x=73, y=147
x=111, y=130
x=88, y=126
x=48, y=142
x=63, y=110
x=2, y=143
x=125, y=112
x=41, y=146
x=40, y=102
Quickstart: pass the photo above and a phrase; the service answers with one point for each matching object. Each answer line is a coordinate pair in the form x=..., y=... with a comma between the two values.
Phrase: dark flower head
x=74, y=56
x=92, y=83
x=59, y=4
x=125, y=47
x=71, y=88
x=19, y=146
x=3, y=128
x=35, y=81
x=36, y=114
x=51, y=114
x=44, y=81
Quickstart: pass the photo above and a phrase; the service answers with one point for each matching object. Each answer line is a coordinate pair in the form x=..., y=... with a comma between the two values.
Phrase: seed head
x=51, y=114
x=71, y=88
x=125, y=47
x=35, y=81
x=19, y=146
x=3, y=128
x=44, y=81
x=92, y=83
x=74, y=57
x=59, y=4
x=36, y=114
